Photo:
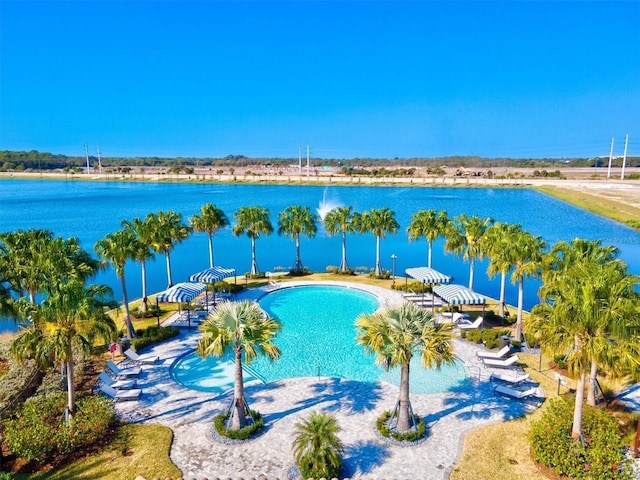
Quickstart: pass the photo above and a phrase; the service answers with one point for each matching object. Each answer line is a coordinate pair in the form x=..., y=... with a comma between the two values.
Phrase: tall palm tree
x=168, y=231
x=238, y=326
x=526, y=252
x=254, y=221
x=143, y=231
x=71, y=316
x=209, y=220
x=380, y=222
x=395, y=335
x=316, y=447
x=497, y=243
x=296, y=220
x=464, y=238
x=591, y=312
x=429, y=224
x=340, y=220
x=115, y=249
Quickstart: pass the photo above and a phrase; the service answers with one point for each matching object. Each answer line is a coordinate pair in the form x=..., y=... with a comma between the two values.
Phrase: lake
x=89, y=210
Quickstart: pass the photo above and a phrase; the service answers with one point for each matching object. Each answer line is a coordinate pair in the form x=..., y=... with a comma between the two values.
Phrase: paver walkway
x=356, y=405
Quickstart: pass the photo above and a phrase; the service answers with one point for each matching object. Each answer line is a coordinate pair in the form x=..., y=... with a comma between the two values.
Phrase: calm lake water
x=89, y=210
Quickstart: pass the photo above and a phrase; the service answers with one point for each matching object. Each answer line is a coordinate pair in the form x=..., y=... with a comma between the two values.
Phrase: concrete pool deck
x=356, y=405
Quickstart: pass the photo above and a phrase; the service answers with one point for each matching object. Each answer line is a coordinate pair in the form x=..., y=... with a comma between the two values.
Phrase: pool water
x=318, y=338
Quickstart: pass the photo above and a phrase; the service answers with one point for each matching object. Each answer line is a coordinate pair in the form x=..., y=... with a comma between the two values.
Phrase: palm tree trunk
x=378, y=269
x=472, y=268
x=503, y=283
x=238, y=420
x=404, y=422
x=520, y=302
x=576, y=429
x=591, y=389
x=298, y=265
x=144, y=305
x=125, y=302
x=429, y=256
x=32, y=296
x=254, y=263
x=210, y=249
x=343, y=264
x=169, y=279
x=71, y=391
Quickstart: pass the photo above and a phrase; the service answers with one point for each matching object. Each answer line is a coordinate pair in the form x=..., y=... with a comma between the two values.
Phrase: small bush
x=489, y=336
x=153, y=334
x=227, y=287
x=382, y=424
x=39, y=430
x=601, y=455
x=242, y=434
x=560, y=362
x=150, y=312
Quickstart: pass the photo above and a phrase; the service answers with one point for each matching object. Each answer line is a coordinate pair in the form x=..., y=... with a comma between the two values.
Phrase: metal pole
x=610, y=159
x=393, y=267
x=624, y=157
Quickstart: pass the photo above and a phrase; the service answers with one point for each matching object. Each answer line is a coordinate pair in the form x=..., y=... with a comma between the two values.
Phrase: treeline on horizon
x=33, y=160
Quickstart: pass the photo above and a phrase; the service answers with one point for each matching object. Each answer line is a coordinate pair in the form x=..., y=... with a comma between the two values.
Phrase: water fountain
x=326, y=205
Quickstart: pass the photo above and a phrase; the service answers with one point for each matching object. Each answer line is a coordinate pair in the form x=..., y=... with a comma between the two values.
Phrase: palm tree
x=316, y=447
x=254, y=221
x=238, y=326
x=168, y=231
x=464, y=238
x=589, y=311
x=209, y=220
x=380, y=222
x=526, y=253
x=394, y=335
x=115, y=249
x=71, y=316
x=296, y=220
x=429, y=224
x=497, y=243
x=142, y=229
x=340, y=220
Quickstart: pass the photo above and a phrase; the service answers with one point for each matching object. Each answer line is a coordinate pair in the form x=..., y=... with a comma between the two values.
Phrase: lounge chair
x=517, y=394
x=120, y=395
x=116, y=384
x=499, y=354
x=123, y=372
x=500, y=362
x=141, y=359
x=513, y=379
x=471, y=326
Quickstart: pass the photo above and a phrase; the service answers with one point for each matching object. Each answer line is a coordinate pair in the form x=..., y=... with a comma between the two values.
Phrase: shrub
x=39, y=430
x=227, y=287
x=152, y=334
x=317, y=449
x=150, y=312
x=489, y=336
x=244, y=433
x=382, y=424
x=601, y=455
x=560, y=362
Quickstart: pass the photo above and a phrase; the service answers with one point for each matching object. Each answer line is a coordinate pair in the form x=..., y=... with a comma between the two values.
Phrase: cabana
x=426, y=275
x=213, y=275
x=459, y=295
x=181, y=293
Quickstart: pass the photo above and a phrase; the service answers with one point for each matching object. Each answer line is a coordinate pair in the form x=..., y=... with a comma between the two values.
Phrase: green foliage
x=227, y=287
x=249, y=431
x=298, y=272
x=255, y=275
x=333, y=269
x=415, y=287
x=316, y=447
x=382, y=424
x=489, y=336
x=599, y=457
x=151, y=335
x=7, y=476
x=560, y=361
x=39, y=430
x=16, y=377
x=152, y=311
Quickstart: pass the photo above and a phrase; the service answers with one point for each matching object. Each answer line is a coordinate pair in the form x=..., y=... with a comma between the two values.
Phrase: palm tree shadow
x=362, y=457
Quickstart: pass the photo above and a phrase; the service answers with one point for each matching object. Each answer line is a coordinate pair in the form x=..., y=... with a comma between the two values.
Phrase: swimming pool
x=318, y=338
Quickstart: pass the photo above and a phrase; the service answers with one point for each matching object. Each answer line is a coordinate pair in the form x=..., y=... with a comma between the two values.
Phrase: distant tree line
x=42, y=161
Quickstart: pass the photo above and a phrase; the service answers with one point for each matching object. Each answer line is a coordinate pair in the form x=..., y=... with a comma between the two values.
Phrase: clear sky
x=349, y=79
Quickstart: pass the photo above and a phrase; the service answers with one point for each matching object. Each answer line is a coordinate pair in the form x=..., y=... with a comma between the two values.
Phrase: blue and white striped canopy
x=458, y=295
x=427, y=275
x=213, y=275
x=181, y=292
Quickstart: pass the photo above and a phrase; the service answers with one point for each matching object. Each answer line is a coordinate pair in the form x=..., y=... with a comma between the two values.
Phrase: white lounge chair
x=123, y=372
x=517, y=394
x=499, y=354
x=499, y=362
x=508, y=378
x=132, y=355
x=120, y=395
x=116, y=384
x=471, y=326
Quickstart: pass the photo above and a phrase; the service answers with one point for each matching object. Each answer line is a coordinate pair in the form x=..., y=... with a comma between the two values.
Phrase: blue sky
x=350, y=79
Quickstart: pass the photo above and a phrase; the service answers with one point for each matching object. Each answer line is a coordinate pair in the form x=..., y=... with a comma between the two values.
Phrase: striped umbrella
x=213, y=275
x=458, y=295
x=427, y=275
x=181, y=292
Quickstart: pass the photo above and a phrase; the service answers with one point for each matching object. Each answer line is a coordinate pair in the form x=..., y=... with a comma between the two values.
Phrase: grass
x=136, y=450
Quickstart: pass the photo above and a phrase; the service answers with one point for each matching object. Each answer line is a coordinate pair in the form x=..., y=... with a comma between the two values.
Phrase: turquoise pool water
x=317, y=339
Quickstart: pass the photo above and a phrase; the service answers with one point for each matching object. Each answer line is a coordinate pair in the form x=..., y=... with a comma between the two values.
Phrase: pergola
x=459, y=295
x=182, y=292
